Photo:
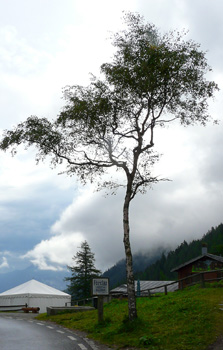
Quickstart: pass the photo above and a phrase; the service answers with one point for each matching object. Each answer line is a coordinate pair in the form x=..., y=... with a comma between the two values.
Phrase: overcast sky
x=48, y=44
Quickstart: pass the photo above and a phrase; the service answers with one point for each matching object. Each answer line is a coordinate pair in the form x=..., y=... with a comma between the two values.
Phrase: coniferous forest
x=159, y=266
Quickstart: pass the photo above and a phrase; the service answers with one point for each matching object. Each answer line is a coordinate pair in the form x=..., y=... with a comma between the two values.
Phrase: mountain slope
x=160, y=270
x=157, y=266
x=117, y=273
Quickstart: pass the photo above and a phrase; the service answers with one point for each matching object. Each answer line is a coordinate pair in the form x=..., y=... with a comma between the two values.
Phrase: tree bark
x=129, y=264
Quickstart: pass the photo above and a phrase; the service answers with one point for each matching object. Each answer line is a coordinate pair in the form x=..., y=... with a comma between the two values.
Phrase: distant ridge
x=12, y=279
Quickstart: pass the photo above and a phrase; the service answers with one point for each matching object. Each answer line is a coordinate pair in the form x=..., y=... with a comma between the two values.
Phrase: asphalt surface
x=24, y=332
x=20, y=331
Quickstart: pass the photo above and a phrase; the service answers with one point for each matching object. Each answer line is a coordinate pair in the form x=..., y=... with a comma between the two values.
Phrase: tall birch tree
x=154, y=80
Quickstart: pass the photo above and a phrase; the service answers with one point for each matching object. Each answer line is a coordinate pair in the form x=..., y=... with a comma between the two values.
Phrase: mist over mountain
x=161, y=269
x=153, y=265
x=157, y=266
x=117, y=273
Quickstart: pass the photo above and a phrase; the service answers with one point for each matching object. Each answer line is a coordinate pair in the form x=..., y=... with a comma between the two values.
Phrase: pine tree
x=82, y=273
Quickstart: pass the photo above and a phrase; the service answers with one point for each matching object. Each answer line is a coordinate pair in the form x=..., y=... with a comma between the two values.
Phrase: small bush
x=148, y=340
x=215, y=284
x=129, y=326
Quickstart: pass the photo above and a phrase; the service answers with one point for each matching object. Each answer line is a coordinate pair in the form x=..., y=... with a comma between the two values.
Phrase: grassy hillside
x=183, y=320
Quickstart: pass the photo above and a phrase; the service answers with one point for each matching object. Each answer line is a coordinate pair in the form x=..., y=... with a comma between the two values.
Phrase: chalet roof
x=207, y=255
x=145, y=285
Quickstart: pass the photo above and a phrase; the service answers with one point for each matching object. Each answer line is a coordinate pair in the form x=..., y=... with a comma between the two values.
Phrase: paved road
x=23, y=332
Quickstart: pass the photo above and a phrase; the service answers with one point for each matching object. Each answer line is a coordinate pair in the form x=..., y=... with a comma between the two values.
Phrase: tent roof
x=34, y=287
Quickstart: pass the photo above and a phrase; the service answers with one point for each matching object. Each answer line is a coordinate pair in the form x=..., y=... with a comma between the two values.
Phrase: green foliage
x=82, y=273
x=148, y=340
x=152, y=80
x=176, y=321
x=214, y=284
x=217, y=249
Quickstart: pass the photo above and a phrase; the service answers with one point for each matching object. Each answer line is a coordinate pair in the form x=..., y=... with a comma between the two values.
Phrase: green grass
x=183, y=320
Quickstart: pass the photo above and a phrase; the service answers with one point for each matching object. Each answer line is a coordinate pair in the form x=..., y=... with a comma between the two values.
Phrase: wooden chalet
x=209, y=263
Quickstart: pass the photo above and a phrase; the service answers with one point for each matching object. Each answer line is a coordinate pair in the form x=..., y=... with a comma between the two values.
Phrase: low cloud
x=4, y=263
x=54, y=253
x=90, y=217
x=182, y=209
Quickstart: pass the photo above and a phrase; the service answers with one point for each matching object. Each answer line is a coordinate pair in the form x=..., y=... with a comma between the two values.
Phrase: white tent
x=34, y=294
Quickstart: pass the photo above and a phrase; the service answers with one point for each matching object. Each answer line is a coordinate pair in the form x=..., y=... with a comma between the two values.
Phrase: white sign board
x=100, y=286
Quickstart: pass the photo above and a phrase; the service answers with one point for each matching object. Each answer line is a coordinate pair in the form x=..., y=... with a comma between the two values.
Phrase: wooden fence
x=198, y=278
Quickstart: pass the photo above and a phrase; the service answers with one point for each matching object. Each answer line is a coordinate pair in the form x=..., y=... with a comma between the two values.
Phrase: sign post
x=100, y=288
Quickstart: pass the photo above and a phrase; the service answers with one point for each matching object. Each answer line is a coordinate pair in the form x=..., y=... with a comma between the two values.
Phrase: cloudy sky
x=48, y=44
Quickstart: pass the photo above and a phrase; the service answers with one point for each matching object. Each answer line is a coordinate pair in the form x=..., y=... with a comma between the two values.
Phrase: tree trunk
x=129, y=264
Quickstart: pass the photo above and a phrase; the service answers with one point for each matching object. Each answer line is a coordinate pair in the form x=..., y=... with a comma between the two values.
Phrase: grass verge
x=185, y=320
